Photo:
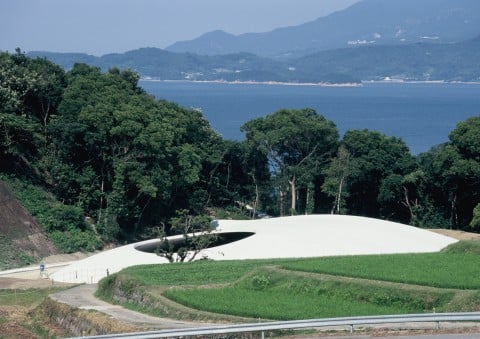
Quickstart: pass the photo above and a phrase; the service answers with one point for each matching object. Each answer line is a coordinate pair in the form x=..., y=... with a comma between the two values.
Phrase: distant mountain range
x=371, y=22
x=414, y=62
x=412, y=40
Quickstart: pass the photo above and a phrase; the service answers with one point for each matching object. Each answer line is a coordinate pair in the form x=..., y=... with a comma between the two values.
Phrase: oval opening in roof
x=175, y=243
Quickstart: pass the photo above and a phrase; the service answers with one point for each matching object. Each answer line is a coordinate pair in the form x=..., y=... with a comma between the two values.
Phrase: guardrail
x=298, y=324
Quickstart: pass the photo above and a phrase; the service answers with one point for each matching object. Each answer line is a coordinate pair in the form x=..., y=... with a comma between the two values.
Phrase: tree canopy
x=297, y=144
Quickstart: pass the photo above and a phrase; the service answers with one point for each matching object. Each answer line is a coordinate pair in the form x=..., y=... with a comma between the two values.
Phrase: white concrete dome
x=284, y=237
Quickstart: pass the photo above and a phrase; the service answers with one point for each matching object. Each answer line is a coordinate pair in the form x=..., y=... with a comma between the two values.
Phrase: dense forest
x=114, y=164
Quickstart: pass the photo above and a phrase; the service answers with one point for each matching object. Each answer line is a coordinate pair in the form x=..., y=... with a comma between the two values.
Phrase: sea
x=421, y=114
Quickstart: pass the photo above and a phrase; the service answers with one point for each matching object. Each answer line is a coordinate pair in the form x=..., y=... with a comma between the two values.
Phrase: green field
x=304, y=288
x=195, y=273
x=273, y=294
x=446, y=270
x=30, y=298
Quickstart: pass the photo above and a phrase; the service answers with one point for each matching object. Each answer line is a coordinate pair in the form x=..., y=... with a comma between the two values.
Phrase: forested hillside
x=96, y=159
x=414, y=62
x=410, y=62
x=164, y=65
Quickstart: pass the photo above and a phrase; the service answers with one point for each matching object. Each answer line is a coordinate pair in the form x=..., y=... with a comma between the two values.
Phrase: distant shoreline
x=319, y=84
x=427, y=82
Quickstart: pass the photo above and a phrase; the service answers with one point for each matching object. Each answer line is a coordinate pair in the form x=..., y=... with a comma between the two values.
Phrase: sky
x=99, y=27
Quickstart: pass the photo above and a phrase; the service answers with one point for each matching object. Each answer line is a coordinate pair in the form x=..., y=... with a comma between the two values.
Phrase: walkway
x=83, y=297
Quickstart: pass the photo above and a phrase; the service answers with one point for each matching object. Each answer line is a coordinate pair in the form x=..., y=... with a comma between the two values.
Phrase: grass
x=307, y=288
x=445, y=270
x=30, y=313
x=18, y=308
x=11, y=256
x=466, y=246
x=29, y=298
x=272, y=295
x=195, y=273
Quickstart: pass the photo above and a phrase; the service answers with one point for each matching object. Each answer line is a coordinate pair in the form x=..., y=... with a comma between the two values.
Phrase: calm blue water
x=421, y=114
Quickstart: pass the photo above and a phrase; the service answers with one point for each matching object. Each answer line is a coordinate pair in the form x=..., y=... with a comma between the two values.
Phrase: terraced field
x=303, y=288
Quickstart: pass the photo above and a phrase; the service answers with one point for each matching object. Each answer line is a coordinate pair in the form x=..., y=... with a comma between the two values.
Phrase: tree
x=240, y=178
x=412, y=195
x=114, y=141
x=443, y=179
x=376, y=165
x=46, y=93
x=475, y=223
x=466, y=138
x=297, y=143
x=336, y=179
x=128, y=160
x=195, y=157
x=196, y=234
x=19, y=135
x=30, y=91
x=453, y=174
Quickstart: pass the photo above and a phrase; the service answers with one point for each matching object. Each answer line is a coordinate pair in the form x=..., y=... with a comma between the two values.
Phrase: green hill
x=413, y=62
x=422, y=61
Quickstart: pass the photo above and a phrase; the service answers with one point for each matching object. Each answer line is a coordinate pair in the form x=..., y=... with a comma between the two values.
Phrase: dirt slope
x=459, y=235
x=21, y=238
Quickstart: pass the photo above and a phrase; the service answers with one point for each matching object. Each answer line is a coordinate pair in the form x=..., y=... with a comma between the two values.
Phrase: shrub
x=65, y=218
x=465, y=246
x=75, y=240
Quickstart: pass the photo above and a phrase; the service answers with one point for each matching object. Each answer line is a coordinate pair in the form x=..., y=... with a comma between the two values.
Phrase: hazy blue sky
x=104, y=26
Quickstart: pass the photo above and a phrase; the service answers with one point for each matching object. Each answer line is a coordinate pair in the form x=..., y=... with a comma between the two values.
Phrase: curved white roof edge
x=283, y=237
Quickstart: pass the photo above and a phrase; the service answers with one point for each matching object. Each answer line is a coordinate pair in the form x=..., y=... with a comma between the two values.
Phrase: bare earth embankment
x=459, y=235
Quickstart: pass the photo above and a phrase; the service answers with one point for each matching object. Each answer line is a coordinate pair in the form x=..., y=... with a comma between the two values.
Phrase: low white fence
x=82, y=275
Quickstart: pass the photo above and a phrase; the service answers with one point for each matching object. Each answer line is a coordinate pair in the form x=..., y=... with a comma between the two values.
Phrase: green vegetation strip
x=26, y=298
x=272, y=295
x=445, y=270
x=195, y=273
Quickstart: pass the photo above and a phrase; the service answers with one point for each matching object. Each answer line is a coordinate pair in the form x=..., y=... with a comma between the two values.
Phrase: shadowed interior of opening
x=216, y=239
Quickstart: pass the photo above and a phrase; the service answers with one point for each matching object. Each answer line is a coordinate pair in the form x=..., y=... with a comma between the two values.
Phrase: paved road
x=83, y=297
